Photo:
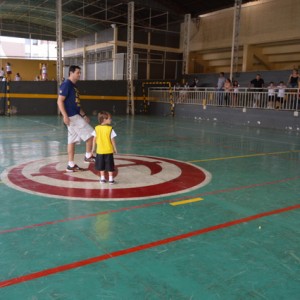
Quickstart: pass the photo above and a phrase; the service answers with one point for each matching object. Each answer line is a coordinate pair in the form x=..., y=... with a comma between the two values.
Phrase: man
x=74, y=117
x=220, y=88
x=257, y=83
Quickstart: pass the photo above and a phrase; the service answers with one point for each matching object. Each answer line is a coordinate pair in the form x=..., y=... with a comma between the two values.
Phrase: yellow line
x=244, y=156
x=186, y=201
x=82, y=97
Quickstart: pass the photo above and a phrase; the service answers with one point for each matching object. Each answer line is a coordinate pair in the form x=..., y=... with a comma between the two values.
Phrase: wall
x=269, y=37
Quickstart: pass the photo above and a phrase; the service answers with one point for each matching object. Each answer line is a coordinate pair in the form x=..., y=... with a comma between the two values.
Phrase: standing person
x=271, y=95
x=235, y=86
x=104, y=138
x=8, y=71
x=280, y=103
x=220, y=88
x=293, y=79
x=228, y=89
x=2, y=74
x=18, y=77
x=75, y=118
x=257, y=83
x=44, y=72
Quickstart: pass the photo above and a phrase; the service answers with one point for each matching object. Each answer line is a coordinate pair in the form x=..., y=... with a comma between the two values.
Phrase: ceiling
x=36, y=19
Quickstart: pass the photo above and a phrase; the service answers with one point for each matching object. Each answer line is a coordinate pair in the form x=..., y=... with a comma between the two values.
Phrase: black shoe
x=73, y=169
x=90, y=159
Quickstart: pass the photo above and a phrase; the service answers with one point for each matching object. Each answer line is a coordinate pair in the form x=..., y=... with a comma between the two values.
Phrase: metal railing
x=241, y=98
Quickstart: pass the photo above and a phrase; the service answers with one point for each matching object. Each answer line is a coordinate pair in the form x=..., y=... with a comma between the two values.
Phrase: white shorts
x=78, y=130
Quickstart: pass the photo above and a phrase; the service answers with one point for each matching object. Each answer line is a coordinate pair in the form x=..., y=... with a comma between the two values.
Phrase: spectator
x=235, y=86
x=293, y=79
x=228, y=89
x=281, y=103
x=271, y=95
x=220, y=88
x=257, y=83
x=8, y=71
x=195, y=83
x=18, y=77
x=44, y=72
x=2, y=74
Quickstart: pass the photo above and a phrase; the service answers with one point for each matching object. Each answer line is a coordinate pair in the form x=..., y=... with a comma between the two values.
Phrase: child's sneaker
x=111, y=182
x=90, y=159
x=73, y=169
x=102, y=181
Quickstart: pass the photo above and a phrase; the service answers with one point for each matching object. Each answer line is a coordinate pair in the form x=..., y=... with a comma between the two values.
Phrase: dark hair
x=73, y=68
x=103, y=115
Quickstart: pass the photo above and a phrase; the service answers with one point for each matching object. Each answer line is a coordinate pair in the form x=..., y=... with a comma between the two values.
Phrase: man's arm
x=61, y=106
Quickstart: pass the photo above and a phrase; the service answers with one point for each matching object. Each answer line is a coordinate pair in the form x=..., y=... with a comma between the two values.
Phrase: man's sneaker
x=102, y=181
x=111, y=182
x=90, y=159
x=73, y=169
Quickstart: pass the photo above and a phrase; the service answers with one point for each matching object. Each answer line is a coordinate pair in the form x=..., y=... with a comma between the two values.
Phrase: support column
x=186, y=43
x=235, y=39
x=148, y=56
x=83, y=71
x=130, y=37
x=59, y=65
x=114, y=51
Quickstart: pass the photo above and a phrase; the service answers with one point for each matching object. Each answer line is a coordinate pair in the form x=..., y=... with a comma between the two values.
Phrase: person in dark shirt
x=257, y=83
x=75, y=119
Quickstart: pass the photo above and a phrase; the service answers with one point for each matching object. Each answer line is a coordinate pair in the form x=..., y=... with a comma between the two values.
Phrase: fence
x=288, y=99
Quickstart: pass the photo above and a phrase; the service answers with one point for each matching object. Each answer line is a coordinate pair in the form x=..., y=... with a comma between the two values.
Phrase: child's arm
x=114, y=145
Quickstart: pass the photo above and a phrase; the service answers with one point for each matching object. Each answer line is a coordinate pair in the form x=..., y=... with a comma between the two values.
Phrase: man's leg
x=71, y=151
x=89, y=145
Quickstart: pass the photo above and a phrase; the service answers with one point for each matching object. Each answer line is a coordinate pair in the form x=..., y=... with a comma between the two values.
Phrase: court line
x=186, y=201
x=122, y=252
x=239, y=188
x=244, y=156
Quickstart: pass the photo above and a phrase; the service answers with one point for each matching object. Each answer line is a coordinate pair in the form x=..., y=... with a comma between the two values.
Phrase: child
x=104, y=138
x=227, y=89
x=235, y=86
x=271, y=95
x=281, y=95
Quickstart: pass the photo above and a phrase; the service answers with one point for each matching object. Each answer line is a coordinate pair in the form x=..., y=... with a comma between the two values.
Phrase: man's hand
x=66, y=120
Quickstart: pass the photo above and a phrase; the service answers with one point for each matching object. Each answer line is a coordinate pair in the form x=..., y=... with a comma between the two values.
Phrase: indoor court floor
x=200, y=210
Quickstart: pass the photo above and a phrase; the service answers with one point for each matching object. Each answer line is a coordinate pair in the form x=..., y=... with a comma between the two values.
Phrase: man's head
x=74, y=73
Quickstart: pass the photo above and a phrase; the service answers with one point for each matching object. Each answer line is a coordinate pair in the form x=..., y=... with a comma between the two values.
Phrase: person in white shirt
x=18, y=77
x=2, y=74
x=271, y=95
x=280, y=103
x=8, y=71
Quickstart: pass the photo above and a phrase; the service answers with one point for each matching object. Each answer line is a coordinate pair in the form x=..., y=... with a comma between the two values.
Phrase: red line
x=142, y=247
x=146, y=205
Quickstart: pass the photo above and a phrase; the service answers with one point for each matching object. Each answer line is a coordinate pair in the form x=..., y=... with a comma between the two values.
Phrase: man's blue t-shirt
x=72, y=100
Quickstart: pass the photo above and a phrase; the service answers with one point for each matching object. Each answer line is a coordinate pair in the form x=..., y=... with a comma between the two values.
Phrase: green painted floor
x=240, y=240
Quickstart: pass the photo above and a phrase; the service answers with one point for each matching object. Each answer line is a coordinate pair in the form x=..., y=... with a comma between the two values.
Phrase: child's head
x=104, y=117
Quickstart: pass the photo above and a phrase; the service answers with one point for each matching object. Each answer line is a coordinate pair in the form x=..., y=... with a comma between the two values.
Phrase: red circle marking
x=191, y=177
